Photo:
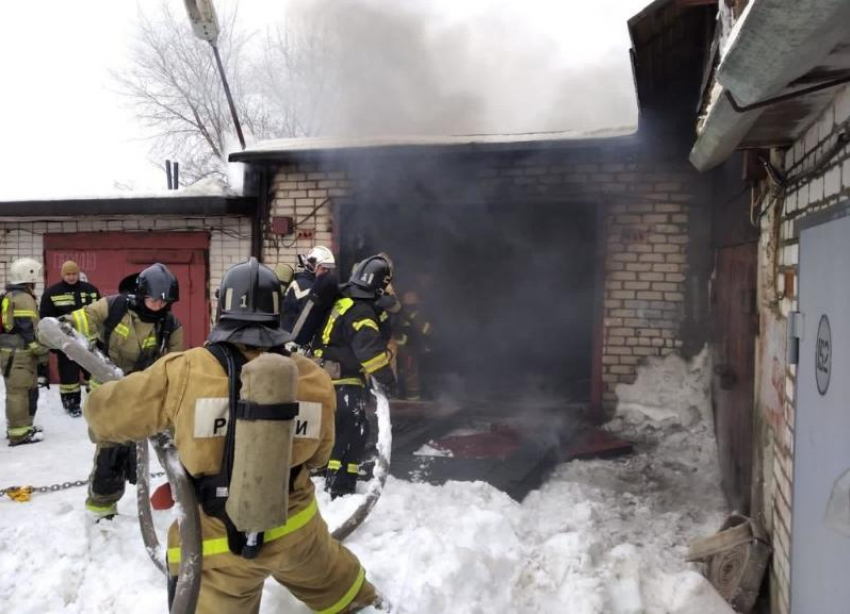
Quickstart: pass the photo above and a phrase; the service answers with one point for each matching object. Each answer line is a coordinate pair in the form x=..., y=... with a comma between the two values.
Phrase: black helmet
x=249, y=307
x=250, y=292
x=370, y=277
x=157, y=282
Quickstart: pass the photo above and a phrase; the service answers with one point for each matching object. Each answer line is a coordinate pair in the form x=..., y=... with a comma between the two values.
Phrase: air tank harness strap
x=247, y=410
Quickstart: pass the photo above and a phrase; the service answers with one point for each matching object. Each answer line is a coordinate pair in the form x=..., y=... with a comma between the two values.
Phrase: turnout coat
x=187, y=392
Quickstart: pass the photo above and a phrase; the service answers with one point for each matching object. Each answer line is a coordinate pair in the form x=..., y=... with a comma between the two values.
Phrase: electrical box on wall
x=282, y=225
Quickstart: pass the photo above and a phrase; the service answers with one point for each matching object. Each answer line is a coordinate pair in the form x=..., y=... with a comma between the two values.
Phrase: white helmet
x=316, y=257
x=25, y=271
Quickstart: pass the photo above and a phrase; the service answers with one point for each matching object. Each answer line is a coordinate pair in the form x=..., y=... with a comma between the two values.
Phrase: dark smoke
x=401, y=68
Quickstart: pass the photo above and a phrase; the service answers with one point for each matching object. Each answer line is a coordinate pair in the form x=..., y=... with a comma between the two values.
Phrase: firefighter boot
x=30, y=435
x=71, y=403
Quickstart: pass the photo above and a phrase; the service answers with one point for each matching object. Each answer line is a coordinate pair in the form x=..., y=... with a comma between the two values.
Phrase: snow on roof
x=318, y=144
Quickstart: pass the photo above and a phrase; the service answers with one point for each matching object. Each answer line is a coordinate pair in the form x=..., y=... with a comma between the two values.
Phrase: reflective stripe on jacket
x=355, y=335
x=132, y=341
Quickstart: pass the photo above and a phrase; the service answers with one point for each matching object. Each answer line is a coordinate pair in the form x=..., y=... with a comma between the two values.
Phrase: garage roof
x=282, y=149
x=151, y=205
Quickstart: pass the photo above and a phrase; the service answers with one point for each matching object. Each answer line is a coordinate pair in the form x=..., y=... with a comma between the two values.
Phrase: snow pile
x=668, y=391
x=600, y=537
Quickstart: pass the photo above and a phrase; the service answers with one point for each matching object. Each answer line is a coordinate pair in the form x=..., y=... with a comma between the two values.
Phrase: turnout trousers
x=114, y=465
x=314, y=567
x=69, y=381
x=18, y=367
x=352, y=434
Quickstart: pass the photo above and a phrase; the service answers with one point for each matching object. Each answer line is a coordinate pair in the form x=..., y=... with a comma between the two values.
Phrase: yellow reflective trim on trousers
x=349, y=596
x=93, y=383
x=427, y=328
x=69, y=388
x=334, y=465
x=379, y=361
x=122, y=329
x=102, y=509
x=352, y=468
x=367, y=322
x=18, y=431
x=24, y=313
x=219, y=545
x=348, y=381
x=81, y=322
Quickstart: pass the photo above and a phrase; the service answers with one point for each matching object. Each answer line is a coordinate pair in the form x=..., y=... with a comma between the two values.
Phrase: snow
x=599, y=537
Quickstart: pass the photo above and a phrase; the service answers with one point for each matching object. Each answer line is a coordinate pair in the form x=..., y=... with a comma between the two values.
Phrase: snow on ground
x=600, y=537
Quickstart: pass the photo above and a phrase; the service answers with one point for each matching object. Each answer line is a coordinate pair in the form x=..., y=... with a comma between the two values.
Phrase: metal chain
x=63, y=485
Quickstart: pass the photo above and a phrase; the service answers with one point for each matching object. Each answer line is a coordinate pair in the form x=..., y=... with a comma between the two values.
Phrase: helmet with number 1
x=249, y=307
x=25, y=271
x=158, y=283
x=371, y=277
x=316, y=257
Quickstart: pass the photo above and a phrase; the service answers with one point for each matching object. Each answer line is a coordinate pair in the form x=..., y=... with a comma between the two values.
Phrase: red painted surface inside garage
x=108, y=257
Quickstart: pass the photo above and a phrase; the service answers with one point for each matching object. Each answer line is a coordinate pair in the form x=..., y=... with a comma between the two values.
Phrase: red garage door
x=108, y=257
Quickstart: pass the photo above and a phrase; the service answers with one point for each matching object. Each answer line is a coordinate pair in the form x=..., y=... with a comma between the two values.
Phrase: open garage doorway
x=511, y=291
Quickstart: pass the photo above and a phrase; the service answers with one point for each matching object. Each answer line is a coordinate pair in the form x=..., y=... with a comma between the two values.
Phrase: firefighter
x=20, y=351
x=134, y=330
x=352, y=347
x=317, y=262
x=188, y=393
x=411, y=337
x=61, y=299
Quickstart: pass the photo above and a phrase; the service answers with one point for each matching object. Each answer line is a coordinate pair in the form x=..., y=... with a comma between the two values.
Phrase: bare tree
x=296, y=76
x=176, y=91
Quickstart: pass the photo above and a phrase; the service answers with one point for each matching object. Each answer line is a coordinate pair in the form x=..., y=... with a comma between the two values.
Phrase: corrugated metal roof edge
x=723, y=128
x=171, y=205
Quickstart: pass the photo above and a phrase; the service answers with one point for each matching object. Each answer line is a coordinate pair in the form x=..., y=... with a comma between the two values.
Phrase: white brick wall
x=298, y=191
x=230, y=238
x=826, y=188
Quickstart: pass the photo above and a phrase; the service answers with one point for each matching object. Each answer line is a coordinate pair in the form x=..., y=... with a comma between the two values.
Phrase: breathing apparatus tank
x=262, y=455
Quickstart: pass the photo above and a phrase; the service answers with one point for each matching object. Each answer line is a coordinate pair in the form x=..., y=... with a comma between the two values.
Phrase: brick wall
x=230, y=238
x=779, y=260
x=305, y=193
x=647, y=224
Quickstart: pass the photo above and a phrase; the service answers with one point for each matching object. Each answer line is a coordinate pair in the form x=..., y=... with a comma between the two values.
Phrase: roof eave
x=753, y=70
x=171, y=205
x=285, y=155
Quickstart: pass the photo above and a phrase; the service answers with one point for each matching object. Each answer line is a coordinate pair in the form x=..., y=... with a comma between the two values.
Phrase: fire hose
x=64, y=338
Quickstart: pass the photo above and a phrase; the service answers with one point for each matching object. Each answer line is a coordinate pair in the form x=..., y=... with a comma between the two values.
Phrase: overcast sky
x=65, y=131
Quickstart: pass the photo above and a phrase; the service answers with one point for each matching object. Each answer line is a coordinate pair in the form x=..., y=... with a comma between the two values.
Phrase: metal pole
x=229, y=97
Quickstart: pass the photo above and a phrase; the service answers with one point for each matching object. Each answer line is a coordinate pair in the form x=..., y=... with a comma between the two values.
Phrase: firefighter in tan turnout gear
x=222, y=404
x=20, y=351
x=134, y=330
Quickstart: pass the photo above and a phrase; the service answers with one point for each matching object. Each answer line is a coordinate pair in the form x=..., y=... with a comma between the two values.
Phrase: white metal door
x=820, y=554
